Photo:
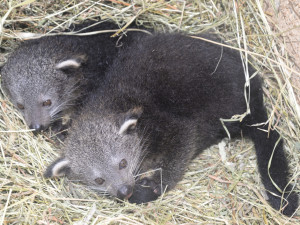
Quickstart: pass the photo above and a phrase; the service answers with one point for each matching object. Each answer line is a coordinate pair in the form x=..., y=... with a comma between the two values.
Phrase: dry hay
x=215, y=190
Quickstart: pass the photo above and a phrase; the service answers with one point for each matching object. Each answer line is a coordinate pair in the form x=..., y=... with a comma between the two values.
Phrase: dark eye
x=47, y=103
x=99, y=180
x=20, y=106
x=122, y=164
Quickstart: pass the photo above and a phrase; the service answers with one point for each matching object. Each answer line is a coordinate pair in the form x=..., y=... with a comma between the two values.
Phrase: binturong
x=163, y=111
x=96, y=153
x=49, y=77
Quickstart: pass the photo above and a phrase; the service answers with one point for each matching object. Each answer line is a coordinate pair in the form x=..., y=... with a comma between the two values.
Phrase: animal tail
x=272, y=164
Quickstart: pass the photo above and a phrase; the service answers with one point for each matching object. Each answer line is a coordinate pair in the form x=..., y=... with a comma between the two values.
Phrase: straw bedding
x=222, y=185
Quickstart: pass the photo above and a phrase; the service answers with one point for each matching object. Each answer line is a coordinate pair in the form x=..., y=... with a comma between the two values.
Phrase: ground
x=284, y=19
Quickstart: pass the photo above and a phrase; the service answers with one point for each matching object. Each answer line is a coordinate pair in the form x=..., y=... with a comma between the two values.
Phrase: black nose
x=36, y=127
x=125, y=192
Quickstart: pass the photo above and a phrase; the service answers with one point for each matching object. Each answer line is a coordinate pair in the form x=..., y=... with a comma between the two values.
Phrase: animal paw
x=60, y=130
x=145, y=190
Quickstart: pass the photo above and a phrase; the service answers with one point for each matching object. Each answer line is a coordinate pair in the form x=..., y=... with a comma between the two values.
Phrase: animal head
x=103, y=152
x=41, y=84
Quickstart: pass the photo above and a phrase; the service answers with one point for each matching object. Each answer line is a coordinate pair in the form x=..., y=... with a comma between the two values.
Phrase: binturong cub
x=46, y=78
x=160, y=105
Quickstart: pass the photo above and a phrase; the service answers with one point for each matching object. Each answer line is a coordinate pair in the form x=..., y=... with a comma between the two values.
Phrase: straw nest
x=222, y=185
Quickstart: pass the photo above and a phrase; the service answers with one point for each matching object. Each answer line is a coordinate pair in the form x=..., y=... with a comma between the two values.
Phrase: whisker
x=149, y=171
x=70, y=98
x=136, y=157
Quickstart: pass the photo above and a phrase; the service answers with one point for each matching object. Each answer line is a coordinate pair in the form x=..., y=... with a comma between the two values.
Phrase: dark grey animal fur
x=62, y=69
x=159, y=107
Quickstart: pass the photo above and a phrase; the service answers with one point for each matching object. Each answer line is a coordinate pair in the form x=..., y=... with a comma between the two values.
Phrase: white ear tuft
x=73, y=62
x=69, y=63
x=58, y=168
x=128, y=124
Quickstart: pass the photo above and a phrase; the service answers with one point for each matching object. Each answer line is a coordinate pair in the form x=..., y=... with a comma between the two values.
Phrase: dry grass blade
x=213, y=191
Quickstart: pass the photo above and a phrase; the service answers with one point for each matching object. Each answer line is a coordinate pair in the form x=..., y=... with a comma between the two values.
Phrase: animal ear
x=70, y=63
x=131, y=120
x=58, y=168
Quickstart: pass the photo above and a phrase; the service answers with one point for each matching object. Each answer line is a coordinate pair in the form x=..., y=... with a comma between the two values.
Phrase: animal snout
x=36, y=127
x=125, y=192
